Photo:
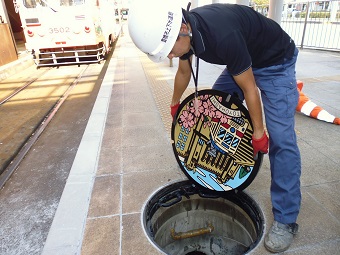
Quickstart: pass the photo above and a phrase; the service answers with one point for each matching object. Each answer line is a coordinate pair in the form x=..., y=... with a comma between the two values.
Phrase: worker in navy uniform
x=260, y=61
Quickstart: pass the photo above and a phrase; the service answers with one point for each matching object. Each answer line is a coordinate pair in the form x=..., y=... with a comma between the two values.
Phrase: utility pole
x=243, y=2
x=275, y=10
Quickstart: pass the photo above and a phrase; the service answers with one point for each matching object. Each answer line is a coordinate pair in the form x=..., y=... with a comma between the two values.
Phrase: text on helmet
x=168, y=27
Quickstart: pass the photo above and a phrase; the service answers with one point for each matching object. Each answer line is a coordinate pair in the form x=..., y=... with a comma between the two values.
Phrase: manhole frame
x=231, y=196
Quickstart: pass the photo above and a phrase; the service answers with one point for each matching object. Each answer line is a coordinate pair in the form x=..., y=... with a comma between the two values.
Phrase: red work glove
x=174, y=110
x=260, y=145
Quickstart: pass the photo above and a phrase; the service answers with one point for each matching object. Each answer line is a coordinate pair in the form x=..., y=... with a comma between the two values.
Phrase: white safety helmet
x=154, y=26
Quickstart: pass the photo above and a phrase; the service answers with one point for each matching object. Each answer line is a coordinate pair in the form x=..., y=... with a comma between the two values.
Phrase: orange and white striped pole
x=307, y=107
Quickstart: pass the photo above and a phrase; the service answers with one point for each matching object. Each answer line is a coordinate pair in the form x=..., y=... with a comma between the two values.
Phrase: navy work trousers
x=279, y=98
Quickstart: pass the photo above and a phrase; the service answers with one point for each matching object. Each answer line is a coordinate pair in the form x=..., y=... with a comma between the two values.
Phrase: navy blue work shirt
x=237, y=36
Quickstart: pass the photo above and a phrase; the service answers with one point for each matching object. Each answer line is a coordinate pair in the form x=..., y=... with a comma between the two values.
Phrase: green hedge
x=319, y=15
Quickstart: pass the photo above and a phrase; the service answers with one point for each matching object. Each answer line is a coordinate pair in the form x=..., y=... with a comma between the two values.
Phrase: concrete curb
x=15, y=66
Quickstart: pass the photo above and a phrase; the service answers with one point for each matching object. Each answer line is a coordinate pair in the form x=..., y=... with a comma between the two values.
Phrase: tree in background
x=260, y=2
x=261, y=6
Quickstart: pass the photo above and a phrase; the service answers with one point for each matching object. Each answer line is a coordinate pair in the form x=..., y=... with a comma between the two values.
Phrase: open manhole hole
x=187, y=219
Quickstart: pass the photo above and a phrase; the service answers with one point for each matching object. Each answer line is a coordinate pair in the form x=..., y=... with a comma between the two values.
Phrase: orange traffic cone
x=307, y=107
